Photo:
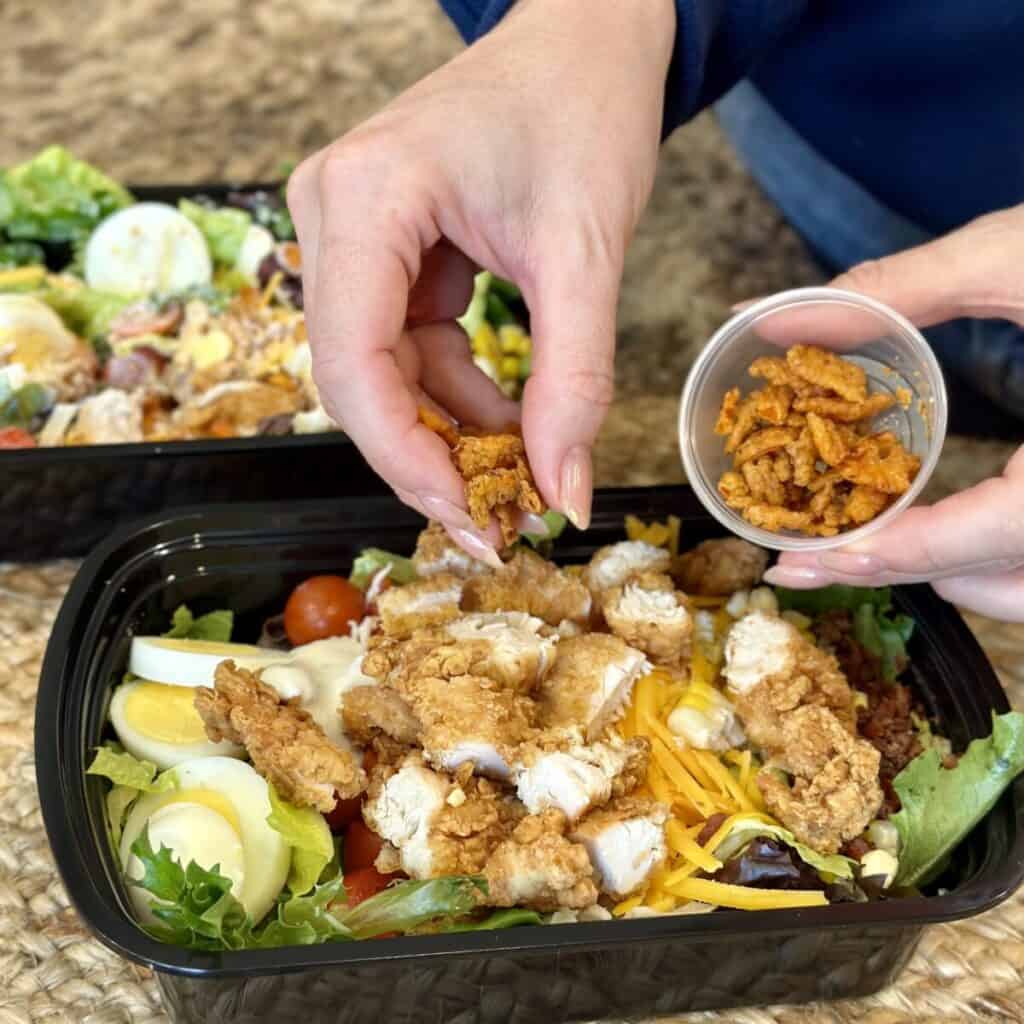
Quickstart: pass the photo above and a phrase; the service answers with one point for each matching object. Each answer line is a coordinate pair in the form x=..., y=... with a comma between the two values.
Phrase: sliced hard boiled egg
x=32, y=335
x=159, y=723
x=148, y=247
x=192, y=662
x=257, y=245
x=217, y=816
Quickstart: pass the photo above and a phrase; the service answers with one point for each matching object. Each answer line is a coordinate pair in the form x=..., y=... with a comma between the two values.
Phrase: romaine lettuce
x=224, y=229
x=305, y=831
x=746, y=829
x=215, y=626
x=406, y=905
x=20, y=254
x=370, y=562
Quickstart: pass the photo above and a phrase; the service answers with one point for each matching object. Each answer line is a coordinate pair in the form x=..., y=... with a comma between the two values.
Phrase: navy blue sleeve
x=717, y=43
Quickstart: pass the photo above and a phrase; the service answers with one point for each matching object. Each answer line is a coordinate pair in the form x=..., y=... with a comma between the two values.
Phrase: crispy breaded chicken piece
x=625, y=841
x=498, y=480
x=835, y=791
x=718, y=568
x=371, y=711
x=285, y=745
x=429, y=602
x=528, y=583
x=773, y=669
x=613, y=564
x=590, y=683
x=435, y=824
x=561, y=771
x=651, y=615
x=538, y=867
x=470, y=719
x=437, y=553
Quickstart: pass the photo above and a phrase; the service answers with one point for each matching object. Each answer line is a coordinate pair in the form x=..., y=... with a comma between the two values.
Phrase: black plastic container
x=247, y=558
x=59, y=502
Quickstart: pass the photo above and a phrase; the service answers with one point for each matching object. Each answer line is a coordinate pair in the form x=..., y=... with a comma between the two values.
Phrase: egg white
x=210, y=792
x=192, y=662
x=147, y=747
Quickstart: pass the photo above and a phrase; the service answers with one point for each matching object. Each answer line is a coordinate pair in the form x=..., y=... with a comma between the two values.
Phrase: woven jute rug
x=51, y=969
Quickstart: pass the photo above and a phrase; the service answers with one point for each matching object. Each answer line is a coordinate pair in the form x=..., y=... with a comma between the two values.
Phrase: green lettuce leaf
x=306, y=832
x=556, y=527
x=124, y=770
x=515, y=917
x=55, y=197
x=85, y=311
x=406, y=905
x=215, y=626
x=476, y=311
x=306, y=920
x=20, y=254
x=119, y=799
x=877, y=630
x=19, y=408
x=940, y=805
x=224, y=229
x=372, y=560
x=744, y=830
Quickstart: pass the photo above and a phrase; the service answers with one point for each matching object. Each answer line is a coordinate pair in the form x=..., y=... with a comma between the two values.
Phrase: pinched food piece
x=835, y=792
x=538, y=867
x=528, y=583
x=651, y=615
x=720, y=567
x=436, y=553
x=437, y=825
x=590, y=683
x=429, y=602
x=826, y=370
x=470, y=719
x=371, y=711
x=881, y=462
x=613, y=564
x=283, y=742
x=625, y=841
x=575, y=777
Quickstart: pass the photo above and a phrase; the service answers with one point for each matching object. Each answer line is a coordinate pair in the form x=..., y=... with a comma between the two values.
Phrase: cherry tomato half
x=344, y=813
x=320, y=607
x=360, y=848
x=15, y=437
x=366, y=882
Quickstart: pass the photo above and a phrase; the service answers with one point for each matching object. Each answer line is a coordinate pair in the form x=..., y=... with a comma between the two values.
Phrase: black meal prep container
x=60, y=502
x=247, y=557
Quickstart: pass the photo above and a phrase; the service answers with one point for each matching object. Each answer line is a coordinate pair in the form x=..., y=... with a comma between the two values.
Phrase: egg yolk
x=208, y=798
x=165, y=713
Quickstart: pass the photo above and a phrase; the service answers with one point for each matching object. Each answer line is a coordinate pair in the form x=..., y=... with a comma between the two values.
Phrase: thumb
x=571, y=384
x=972, y=272
x=979, y=531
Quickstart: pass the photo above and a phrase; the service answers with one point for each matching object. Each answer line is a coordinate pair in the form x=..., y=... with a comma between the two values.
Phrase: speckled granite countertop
x=189, y=91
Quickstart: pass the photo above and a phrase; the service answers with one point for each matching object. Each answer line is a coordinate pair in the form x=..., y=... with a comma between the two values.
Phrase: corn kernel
x=509, y=367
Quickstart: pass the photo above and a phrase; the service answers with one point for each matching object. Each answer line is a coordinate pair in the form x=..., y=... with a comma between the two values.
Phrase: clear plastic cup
x=889, y=348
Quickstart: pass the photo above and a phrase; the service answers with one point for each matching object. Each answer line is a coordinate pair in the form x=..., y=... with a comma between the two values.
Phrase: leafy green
x=744, y=830
x=515, y=917
x=215, y=626
x=86, y=311
x=124, y=770
x=305, y=831
x=402, y=907
x=223, y=227
x=940, y=805
x=20, y=254
x=556, y=527
x=498, y=314
x=55, y=197
x=506, y=289
x=19, y=408
x=119, y=799
x=372, y=560
x=883, y=634
x=196, y=908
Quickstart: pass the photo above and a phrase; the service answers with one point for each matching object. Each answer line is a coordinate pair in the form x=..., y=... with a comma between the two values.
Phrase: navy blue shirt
x=920, y=101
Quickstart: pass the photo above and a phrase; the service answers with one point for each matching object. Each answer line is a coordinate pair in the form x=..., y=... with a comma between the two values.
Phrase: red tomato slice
x=320, y=607
x=366, y=882
x=344, y=813
x=360, y=847
x=15, y=437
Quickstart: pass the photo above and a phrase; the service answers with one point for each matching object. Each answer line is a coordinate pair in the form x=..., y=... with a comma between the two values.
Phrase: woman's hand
x=531, y=154
x=969, y=546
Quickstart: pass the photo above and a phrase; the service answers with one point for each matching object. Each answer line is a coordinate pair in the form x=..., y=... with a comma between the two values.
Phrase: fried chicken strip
x=285, y=745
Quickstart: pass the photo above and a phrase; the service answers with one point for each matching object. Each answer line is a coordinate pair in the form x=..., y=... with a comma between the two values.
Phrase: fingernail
x=475, y=545
x=851, y=564
x=575, y=489
x=444, y=511
x=795, y=575
x=536, y=525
